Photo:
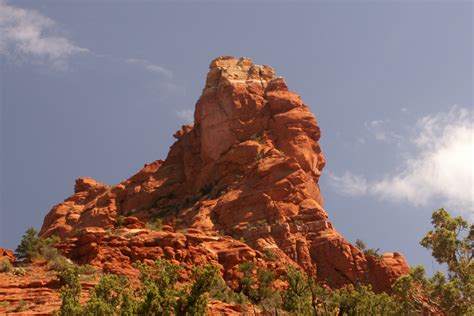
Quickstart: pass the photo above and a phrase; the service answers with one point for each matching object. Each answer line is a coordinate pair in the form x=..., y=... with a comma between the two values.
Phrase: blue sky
x=98, y=88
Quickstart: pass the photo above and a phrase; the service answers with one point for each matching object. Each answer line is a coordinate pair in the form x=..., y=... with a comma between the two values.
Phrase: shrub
x=221, y=292
x=259, y=138
x=367, y=251
x=32, y=246
x=373, y=252
x=19, y=271
x=257, y=224
x=259, y=290
x=194, y=302
x=5, y=265
x=217, y=192
x=155, y=224
x=86, y=269
x=297, y=297
x=107, y=296
x=247, y=281
x=265, y=291
x=360, y=244
x=361, y=300
x=59, y=263
x=22, y=305
x=270, y=255
x=260, y=156
x=70, y=292
x=119, y=220
x=158, y=290
x=207, y=188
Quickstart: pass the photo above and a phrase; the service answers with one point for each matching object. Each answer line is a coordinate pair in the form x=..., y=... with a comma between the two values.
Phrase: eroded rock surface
x=7, y=254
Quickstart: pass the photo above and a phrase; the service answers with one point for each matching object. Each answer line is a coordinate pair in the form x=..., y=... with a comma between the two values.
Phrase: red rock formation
x=37, y=289
x=246, y=173
x=241, y=184
x=7, y=254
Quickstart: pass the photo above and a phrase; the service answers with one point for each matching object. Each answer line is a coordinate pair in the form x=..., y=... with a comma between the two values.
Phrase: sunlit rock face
x=241, y=184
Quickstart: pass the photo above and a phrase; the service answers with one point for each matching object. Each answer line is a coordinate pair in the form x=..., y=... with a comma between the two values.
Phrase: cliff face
x=239, y=185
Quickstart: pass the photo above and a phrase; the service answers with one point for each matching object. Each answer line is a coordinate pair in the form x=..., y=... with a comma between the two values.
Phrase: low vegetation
x=119, y=220
x=155, y=224
x=260, y=156
x=367, y=251
x=304, y=296
x=34, y=247
x=159, y=292
x=270, y=255
x=259, y=138
x=5, y=265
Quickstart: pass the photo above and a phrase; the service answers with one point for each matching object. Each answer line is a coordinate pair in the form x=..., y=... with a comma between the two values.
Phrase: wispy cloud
x=30, y=36
x=27, y=36
x=150, y=66
x=381, y=131
x=440, y=170
x=186, y=114
x=349, y=184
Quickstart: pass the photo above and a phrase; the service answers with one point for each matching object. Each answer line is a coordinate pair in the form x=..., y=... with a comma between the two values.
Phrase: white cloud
x=349, y=184
x=27, y=35
x=186, y=114
x=440, y=171
x=31, y=36
x=150, y=66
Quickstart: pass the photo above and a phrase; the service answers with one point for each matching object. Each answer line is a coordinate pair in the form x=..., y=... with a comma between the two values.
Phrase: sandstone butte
x=238, y=185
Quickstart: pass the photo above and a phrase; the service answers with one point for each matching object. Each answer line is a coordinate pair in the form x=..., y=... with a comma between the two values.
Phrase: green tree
x=107, y=297
x=70, y=292
x=361, y=300
x=247, y=282
x=259, y=289
x=159, y=290
x=297, y=298
x=451, y=243
x=367, y=251
x=32, y=246
x=195, y=301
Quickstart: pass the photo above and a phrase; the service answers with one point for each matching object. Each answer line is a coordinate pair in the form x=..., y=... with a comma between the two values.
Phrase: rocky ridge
x=241, y=184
